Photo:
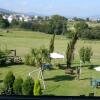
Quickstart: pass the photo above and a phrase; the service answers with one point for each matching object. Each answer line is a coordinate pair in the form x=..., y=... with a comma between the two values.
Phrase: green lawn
x=57, y=82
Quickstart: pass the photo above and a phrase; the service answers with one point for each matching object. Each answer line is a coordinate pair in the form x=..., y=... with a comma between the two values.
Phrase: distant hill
x=5, y=11
x=33, y=14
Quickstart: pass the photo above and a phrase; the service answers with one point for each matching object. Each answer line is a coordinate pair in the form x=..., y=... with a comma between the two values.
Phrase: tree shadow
x=8, y=65
x=1, y=35
x=61, y=78
x=88, y=78
x=62, y=66
x=93, y=66
x=89, y=66
x=1, y=81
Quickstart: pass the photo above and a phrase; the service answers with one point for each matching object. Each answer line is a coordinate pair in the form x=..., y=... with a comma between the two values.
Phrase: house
x=10, y=18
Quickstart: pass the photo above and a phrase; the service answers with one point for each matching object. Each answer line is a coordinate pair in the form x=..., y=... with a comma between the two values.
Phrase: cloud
x=24, y=2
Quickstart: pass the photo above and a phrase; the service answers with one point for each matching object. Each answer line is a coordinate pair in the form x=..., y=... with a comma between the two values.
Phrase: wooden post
x=15, y=52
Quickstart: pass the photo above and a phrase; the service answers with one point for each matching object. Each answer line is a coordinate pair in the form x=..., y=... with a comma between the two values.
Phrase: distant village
x=26, y=18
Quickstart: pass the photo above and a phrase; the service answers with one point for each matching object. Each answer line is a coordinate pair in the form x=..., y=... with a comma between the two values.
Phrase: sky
x=50, y=7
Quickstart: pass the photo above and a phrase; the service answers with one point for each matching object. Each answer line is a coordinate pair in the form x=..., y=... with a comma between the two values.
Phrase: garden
x=57, y=81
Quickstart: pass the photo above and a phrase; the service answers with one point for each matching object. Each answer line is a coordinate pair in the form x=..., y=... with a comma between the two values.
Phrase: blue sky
x=62, y=7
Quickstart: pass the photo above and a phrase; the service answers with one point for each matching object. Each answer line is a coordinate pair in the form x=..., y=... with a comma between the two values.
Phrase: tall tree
x=51, y=47
x=3, y=22
x=56, y=24
x=79, y=27
x=70, y=49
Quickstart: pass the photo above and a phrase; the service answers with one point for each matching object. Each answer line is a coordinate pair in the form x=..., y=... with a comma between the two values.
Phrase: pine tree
x=8, y=83
x=27, y=88
x=9, y=80
x=17, y=86
x=37, y=88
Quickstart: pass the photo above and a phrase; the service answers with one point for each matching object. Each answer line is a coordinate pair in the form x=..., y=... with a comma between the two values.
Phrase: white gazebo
x=56, y=55
x=97, y=68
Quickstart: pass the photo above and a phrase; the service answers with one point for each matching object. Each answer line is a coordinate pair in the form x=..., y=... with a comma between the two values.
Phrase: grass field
x=57, y=82
x=71, y=24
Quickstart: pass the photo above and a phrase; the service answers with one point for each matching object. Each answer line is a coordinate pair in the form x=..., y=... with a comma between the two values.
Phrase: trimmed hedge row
x=17, y=86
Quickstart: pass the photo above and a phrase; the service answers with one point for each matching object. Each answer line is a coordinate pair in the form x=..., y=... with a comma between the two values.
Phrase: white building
x=5, y=17
x=10, y=18
x=27, y=18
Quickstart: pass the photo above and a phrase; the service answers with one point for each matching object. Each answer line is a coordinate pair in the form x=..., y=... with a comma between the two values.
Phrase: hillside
x=4, y=11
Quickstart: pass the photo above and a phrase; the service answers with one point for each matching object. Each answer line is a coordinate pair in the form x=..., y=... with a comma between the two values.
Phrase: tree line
x=57, y=24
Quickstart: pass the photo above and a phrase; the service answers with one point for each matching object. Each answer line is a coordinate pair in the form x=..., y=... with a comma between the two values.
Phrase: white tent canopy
x=56, y=55
x=97, y=68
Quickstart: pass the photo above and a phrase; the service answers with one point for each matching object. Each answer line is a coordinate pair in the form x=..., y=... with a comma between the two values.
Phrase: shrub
x=27, y=59
x=9, y=80
x=8, y=83
x=32, y=61
x=27, y=88
x=85, y=54
x=37, y=88
x=88, y=54
x=17, y=86
x=37, y=56
x=82, y=54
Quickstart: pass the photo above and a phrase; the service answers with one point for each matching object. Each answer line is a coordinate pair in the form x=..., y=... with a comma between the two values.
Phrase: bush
x=17, y=86
x=85, y=54
x=27, y=59
x=8, y=83
x=37, y=88
x=9, y=80
x=27, y=88
x=32, y=61
x=37, y=57
x=82, y=54
x=88, y=54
